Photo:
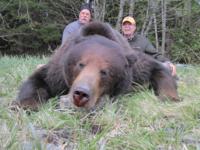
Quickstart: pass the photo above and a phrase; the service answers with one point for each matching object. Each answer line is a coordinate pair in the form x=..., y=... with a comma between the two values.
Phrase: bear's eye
x=104, y=73
x=81, y=65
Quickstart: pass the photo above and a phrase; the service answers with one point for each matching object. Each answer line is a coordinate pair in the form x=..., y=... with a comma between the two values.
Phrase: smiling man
x=84, y=18
x=141, y=43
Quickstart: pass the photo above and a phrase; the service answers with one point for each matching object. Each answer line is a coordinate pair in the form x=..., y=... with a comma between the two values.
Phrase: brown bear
x=94, y=62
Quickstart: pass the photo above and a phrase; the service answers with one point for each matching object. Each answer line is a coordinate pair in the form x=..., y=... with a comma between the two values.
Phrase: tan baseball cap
x=129, y=19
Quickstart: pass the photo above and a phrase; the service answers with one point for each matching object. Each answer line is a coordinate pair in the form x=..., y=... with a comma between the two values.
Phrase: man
x=84, y=18
x=141, y=43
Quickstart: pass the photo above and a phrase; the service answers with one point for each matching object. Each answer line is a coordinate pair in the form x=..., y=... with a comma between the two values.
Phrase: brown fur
x=92, y=63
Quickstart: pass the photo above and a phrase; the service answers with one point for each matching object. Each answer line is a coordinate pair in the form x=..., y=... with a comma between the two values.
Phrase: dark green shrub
x=34, y=26
x=186, y=47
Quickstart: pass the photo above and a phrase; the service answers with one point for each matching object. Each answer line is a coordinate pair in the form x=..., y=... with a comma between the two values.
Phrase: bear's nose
x=81, y=96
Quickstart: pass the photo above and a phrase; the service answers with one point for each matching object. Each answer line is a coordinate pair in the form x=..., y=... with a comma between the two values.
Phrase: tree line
x=35, y=26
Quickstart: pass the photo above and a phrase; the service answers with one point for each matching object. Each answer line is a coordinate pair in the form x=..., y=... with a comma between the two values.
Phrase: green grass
x=135, y=121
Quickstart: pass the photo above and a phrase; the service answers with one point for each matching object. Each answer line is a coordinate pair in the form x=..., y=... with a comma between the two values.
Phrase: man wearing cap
x=141, y=43
x=84, y=18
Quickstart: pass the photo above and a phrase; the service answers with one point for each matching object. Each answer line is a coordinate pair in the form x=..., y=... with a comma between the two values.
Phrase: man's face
x=84, y=16
x=128, y=28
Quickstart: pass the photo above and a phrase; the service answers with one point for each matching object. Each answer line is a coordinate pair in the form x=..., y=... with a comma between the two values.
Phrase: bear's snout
x=81, y=96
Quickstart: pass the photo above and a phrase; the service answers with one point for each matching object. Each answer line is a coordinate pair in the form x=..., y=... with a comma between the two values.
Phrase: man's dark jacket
x=141, y=43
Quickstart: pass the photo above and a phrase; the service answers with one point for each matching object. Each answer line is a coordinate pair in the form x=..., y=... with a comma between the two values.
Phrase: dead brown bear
x=94, y=62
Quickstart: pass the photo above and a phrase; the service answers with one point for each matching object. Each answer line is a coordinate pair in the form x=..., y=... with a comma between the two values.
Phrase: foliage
x=134, y=121
x=186, y=46
x=28, y=26
x=35, y=26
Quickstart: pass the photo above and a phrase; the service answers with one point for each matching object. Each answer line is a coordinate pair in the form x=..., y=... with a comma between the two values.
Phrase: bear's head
x=96, y=66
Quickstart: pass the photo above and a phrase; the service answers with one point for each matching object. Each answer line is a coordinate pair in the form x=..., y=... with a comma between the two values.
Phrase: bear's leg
x=34, y=91
x=163, y=83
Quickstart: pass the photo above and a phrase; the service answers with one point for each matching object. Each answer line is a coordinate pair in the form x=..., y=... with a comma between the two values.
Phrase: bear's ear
x=98, y=28
x=131, y=58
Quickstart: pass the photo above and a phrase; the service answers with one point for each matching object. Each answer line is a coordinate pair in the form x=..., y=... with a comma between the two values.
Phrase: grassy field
x=138, y=121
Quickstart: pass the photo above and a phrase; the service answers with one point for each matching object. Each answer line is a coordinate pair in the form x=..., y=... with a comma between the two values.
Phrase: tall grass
x=136, y=121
